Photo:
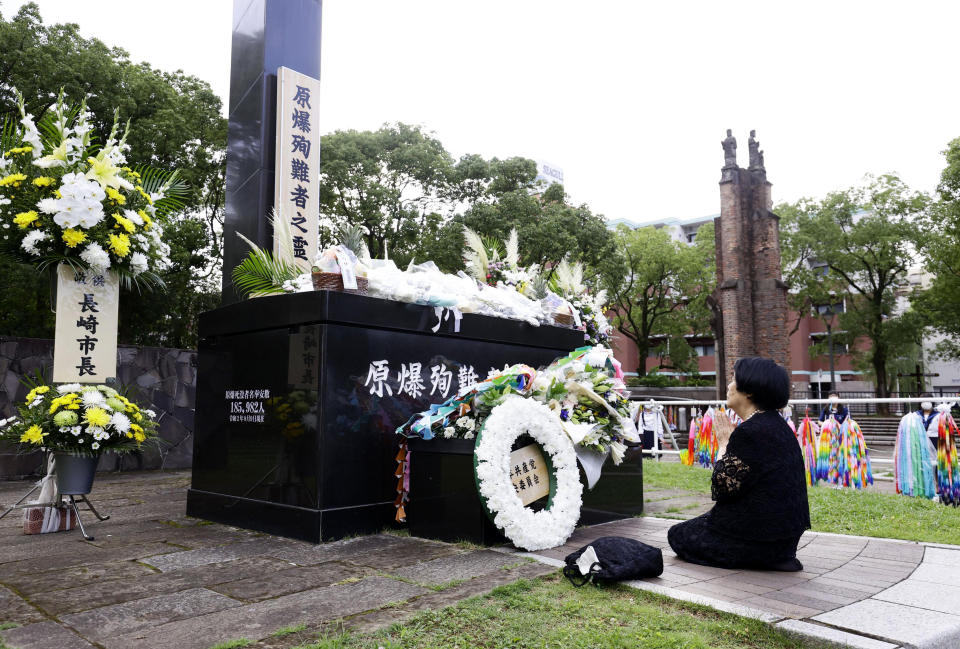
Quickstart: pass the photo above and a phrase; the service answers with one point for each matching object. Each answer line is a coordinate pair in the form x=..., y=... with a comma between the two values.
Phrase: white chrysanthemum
x=3, y=199
x=149, y=413
x=528, y=529
x=49, y=206
x=133, y=217
x=448, y=432
x=95, y=445
x=30, y=241
x=96, y=256
x=138, y=263
x=69, y=387
x=120, y=422
x=93, y=398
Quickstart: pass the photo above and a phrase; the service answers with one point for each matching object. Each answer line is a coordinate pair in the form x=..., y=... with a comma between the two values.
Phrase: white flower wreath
x=525, y=528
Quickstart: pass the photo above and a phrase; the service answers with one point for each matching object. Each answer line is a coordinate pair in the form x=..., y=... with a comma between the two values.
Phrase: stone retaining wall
x=164, y=380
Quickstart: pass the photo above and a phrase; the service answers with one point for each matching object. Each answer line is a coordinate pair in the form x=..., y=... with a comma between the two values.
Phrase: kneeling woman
x=758, y=481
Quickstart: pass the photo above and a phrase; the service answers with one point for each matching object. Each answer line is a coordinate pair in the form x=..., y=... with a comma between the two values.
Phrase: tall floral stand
x=75, y=475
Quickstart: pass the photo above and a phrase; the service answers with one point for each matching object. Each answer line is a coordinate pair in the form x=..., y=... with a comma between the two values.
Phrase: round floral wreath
x=525, y=528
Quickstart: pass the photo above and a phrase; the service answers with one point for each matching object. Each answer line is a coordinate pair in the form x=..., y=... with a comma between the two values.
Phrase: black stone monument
x=267, y=34
x=299, y=397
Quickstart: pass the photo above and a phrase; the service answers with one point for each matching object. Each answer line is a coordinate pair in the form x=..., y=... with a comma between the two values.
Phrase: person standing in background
x=834, y=409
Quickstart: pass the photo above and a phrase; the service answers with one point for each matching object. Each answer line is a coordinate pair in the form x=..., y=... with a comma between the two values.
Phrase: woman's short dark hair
x=763, y=381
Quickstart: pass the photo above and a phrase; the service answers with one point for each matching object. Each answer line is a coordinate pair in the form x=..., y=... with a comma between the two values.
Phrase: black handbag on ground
x=618, y=558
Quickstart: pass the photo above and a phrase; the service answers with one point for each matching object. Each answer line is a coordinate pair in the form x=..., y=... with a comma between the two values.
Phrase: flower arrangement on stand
x=63, y=199
x=84, y=420
x=75, y=424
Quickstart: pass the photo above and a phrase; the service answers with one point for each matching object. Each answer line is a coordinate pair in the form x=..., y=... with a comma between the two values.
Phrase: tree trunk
x=642, y=352
x=880, y=370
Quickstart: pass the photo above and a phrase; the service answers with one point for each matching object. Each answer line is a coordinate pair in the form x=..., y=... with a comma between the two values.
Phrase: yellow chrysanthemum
x=97, y=417
x=43, y=181
x=20, y=149
x=70, y=400
x=120, y=244
x=73, y=237
x=24, y=219
x=13, y=180
x=116, y=196
x=124, y=222
x=34, y=435
x=144, y=194
x=34, y=393
x=135, y=429
x=137, y=416
x=140, y=437
x=147, y=221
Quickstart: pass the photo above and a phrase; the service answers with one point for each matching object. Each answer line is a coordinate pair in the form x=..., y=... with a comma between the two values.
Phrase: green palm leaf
x=176, y=191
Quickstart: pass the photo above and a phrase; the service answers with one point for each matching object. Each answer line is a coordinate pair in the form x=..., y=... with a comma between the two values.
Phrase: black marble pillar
x=267, y=34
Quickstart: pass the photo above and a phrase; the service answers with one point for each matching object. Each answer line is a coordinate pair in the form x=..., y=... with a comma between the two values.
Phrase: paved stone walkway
x=155, y=579
x=868, y=593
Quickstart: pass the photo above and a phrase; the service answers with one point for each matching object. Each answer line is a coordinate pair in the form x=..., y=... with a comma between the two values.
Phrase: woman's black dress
x=761, y=493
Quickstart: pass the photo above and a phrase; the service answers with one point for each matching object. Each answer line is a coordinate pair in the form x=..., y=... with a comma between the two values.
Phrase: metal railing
x=685, y=409
x=900, y=406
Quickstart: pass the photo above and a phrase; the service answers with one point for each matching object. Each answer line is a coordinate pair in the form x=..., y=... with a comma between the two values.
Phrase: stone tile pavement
x=857, y=591
x=155, y=579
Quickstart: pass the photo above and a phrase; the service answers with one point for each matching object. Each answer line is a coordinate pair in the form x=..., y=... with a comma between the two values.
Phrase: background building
x=810, y=374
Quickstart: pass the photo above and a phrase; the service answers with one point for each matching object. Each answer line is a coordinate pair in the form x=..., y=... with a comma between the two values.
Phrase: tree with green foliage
x=395, y=182
x=412, y=199
x=858, y=243
x=940, y=303
x=658, y=287
x=548, y=226
x=176, y=124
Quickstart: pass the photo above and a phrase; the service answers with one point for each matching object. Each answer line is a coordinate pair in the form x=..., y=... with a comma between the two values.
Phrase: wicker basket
x=563, y=319
x=334, y=282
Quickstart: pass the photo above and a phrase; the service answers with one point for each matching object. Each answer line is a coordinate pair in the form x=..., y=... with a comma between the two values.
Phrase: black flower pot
x=75, y=473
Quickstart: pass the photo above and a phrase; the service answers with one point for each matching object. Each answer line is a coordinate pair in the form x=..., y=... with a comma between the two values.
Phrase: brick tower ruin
x=750, y=301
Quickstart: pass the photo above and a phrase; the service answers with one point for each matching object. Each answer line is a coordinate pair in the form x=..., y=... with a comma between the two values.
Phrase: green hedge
x=663, y=381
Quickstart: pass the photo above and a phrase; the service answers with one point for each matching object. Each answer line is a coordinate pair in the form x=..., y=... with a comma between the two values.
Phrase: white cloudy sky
x=630, y=99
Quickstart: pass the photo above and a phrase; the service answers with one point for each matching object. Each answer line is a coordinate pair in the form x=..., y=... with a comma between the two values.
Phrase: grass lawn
x=843, y=511
x=549, y=612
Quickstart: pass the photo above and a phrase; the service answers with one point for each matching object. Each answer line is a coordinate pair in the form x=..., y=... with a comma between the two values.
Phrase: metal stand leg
x=95, y=512
x=73, y=503
x=25, y=496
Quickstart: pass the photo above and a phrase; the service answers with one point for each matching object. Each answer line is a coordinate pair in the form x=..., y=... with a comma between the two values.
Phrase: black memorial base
x=298, y=398
x=444, y=503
